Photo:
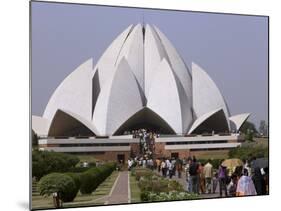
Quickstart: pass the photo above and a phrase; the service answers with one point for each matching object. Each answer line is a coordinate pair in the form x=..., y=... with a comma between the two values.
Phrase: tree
x=34, y=139
x=263, y=129
x=62, y=186
x=248, y=150
x=249, y=129
x=47, y=162
x=249, y=135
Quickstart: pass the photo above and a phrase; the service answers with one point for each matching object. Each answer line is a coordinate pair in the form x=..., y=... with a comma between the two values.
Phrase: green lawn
x=135, y=190
x=98, y=197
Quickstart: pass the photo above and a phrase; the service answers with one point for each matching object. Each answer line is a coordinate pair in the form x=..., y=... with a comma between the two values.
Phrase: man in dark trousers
x=194, y=177
x=222, y=180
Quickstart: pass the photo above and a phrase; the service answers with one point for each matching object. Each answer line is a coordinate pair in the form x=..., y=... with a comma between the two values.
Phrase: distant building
x=139, y=82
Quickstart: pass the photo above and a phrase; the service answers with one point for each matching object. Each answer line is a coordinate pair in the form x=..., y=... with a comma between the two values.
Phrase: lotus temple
x=140, y=81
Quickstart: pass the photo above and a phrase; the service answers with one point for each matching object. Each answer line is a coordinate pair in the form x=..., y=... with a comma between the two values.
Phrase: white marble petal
x=40, y=125
x=164, y=98
x=206, y=95
x=108, y=61
x=119, y=99
x=201, y=119
x=73, y=94
x=238, y=120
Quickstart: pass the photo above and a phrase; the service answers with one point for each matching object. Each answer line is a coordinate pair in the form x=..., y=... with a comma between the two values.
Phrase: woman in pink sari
x=245, y=186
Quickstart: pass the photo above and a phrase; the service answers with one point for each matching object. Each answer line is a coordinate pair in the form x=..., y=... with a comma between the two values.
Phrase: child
x=233, y=185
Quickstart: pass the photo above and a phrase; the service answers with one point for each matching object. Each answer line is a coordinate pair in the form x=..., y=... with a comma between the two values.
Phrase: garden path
x=120, y=192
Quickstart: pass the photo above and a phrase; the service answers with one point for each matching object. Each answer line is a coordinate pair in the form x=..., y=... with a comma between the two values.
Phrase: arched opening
x=147, y=119
x=216, y=123
x=65, y=125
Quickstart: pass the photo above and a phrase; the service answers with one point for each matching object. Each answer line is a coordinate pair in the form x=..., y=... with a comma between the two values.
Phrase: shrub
x=78, y=169
x=145, y=185
x=144, y=196
x=133, y=172
x=93, y=177
x=175, y=186
x=47, y=162
x=90, y=181
x=157, y=188
x=86, y=183
x=59, y=183
x=249, y=150
x=77, y=180
x=158, y=184
x=92, y=164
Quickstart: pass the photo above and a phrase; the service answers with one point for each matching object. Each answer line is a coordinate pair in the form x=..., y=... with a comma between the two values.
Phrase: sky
x=232, y=49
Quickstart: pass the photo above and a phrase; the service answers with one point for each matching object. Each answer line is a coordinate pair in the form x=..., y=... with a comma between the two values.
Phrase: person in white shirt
x=208, y=172
x=144, y=163
x=129, y=164
x=171, y=169
x=163, y=168
x=168, y=163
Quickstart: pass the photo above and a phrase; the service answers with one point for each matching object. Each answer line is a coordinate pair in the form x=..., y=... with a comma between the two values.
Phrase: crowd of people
x=141, y=162
x=244, y=180
x=139, y=133
x=169, y=167
x=248, y=179
x=203, y=178
x=147, y=140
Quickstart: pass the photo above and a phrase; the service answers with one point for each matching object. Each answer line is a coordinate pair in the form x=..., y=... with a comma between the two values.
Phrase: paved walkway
x=120, y=192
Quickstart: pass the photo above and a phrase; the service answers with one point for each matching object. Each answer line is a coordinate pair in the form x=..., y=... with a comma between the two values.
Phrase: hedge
x=93, y=177
x=78, y=169
x=77, y=180
x=68, y=184
x=89, y=181
x=44, y=162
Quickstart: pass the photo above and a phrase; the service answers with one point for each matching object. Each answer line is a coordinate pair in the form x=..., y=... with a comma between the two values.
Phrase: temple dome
x=140, y=80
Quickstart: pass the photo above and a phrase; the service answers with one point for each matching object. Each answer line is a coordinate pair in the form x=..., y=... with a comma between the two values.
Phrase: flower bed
x=158, y=184
x=141, y=172
x=156, y=188
x=163, y=196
